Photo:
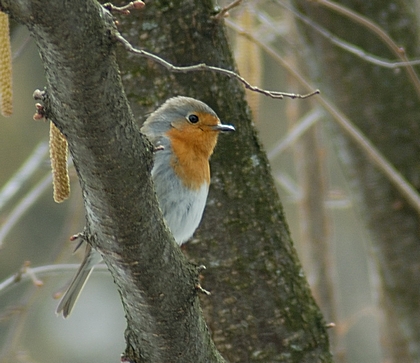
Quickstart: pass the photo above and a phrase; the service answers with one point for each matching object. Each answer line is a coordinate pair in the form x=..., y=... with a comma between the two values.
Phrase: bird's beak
x=223, y=128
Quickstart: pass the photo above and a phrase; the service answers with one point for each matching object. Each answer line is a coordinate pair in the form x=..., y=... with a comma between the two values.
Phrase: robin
x=184, y=132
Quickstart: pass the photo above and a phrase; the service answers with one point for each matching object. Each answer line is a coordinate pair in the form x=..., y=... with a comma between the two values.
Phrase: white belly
x=182, y=208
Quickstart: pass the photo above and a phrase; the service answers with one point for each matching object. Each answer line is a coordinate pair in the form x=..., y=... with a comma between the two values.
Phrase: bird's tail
x=70, y=297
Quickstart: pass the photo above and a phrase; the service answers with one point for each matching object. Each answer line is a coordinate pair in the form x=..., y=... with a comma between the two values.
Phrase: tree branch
x=85, y=100
x=204, y=67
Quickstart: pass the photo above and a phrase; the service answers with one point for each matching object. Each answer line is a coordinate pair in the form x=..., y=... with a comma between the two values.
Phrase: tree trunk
x=383, y=103
x=261, y=309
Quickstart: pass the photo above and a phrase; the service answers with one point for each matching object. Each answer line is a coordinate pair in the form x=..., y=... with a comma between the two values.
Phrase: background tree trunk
x=384, y=104
x=261, y=309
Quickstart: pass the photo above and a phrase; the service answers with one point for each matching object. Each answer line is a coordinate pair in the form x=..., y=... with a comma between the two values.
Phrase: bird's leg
x=82, y=236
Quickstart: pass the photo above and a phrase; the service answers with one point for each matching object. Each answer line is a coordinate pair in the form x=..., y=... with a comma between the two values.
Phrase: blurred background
x=35, y=231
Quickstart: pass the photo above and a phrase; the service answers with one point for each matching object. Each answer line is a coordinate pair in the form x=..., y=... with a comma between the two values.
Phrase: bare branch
x=26, y=268
x=382, y=34
x=296, y=132
x=41, y=271
x=349, y=47
x=224, y=11
x=26, y=202
x=26, y=171
x=125, y=10
x=374, y=155
x=205, y=67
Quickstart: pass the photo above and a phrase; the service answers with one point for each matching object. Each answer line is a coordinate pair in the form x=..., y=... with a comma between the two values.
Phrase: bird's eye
x=193, y=118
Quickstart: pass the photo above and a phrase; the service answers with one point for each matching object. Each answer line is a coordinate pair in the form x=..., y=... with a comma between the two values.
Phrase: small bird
x=184, y=132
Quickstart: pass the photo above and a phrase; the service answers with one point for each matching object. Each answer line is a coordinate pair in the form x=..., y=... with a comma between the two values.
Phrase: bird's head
x=188, y=123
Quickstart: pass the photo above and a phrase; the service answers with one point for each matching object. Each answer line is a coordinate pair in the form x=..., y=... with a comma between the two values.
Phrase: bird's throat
x=190, y=160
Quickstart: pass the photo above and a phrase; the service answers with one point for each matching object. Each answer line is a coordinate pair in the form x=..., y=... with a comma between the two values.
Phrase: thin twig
x=382, y=34
x=296, y=132
x=205, y=67
x=224, y=11
x=18, y=52
x=125, y=10
x=26, y=171
x=27, y=201
x=26, y=269
x=393, y=175
x=41, y=271
x=349, y=47
x=289, y=185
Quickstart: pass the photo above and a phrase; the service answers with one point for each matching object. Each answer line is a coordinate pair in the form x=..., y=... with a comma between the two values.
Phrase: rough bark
x=261, y=309
x=383, y=103
x=113, y=161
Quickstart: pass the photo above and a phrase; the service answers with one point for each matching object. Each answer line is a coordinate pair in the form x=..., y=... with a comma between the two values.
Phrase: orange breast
x=192, y=145
x=190, y=162
x=191, y=167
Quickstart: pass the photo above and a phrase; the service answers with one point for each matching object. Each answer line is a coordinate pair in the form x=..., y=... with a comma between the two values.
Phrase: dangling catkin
x=6, y=107
x=58, y=156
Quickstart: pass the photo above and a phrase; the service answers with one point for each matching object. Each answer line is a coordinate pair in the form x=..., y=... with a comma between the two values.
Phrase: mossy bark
x=261, y=309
